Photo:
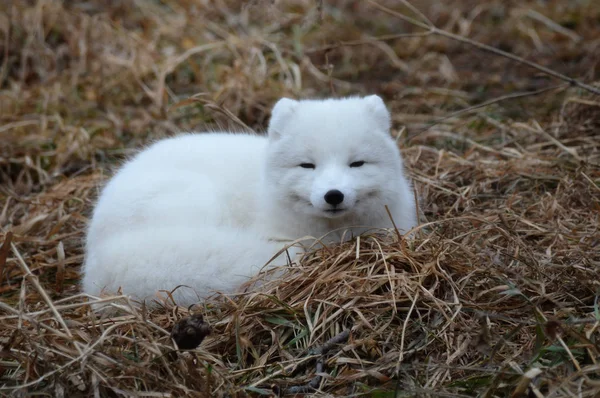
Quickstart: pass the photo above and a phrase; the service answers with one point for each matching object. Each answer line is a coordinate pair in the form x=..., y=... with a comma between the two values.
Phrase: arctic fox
x=209, y=210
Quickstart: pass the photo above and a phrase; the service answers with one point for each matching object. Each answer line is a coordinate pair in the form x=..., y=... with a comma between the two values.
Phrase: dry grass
x=498, y=295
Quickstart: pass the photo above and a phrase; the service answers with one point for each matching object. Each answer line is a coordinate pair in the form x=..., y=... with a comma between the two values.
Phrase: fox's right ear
x=280, y=115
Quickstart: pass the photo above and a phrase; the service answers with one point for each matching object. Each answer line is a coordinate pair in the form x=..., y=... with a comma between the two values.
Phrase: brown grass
x=498, y=296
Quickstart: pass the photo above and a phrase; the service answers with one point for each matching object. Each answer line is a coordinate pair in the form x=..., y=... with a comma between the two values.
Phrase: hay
x=496, y=296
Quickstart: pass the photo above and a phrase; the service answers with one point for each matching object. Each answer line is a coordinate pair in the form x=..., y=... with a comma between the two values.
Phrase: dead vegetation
x=497, y=296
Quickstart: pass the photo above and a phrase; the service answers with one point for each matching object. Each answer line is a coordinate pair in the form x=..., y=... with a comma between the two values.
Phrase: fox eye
x=307, y=165
x=360, y=163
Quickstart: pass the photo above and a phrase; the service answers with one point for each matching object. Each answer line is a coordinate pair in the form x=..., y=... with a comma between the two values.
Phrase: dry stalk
x=496, y=51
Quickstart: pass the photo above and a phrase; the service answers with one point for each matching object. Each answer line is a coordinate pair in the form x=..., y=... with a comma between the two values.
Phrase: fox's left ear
x=380, y=111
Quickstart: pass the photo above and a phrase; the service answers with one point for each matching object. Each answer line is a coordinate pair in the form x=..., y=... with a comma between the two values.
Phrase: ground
x=496, y=297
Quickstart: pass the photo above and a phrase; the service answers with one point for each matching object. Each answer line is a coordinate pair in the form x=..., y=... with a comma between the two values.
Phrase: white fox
x=209, y=210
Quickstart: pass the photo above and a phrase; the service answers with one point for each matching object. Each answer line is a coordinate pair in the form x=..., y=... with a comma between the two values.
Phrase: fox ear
x=379, y=111
x=280, y=115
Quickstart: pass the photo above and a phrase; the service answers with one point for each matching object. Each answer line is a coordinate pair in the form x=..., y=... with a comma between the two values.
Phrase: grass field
x=498, y=296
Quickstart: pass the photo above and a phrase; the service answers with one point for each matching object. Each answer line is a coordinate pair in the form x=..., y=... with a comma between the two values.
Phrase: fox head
x=332, y=158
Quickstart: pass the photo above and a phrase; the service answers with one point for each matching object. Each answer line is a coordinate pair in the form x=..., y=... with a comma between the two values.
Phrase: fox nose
x=334, y=197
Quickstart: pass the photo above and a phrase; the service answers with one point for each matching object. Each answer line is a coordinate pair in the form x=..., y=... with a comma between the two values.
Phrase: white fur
x=210, y=210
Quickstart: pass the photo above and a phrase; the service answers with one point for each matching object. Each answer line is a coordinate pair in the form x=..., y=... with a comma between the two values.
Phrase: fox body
x=209, y=210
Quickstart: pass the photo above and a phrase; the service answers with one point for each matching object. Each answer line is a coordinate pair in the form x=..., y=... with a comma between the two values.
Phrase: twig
x=335, y=340
x=553, y=25
x=34, y=279
x=593, y=184
x=398, y=234
x=207, y=103
x=313, y=384
x=487, y=103
x=440, y=32
x=369, y=40
x=403, y=334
